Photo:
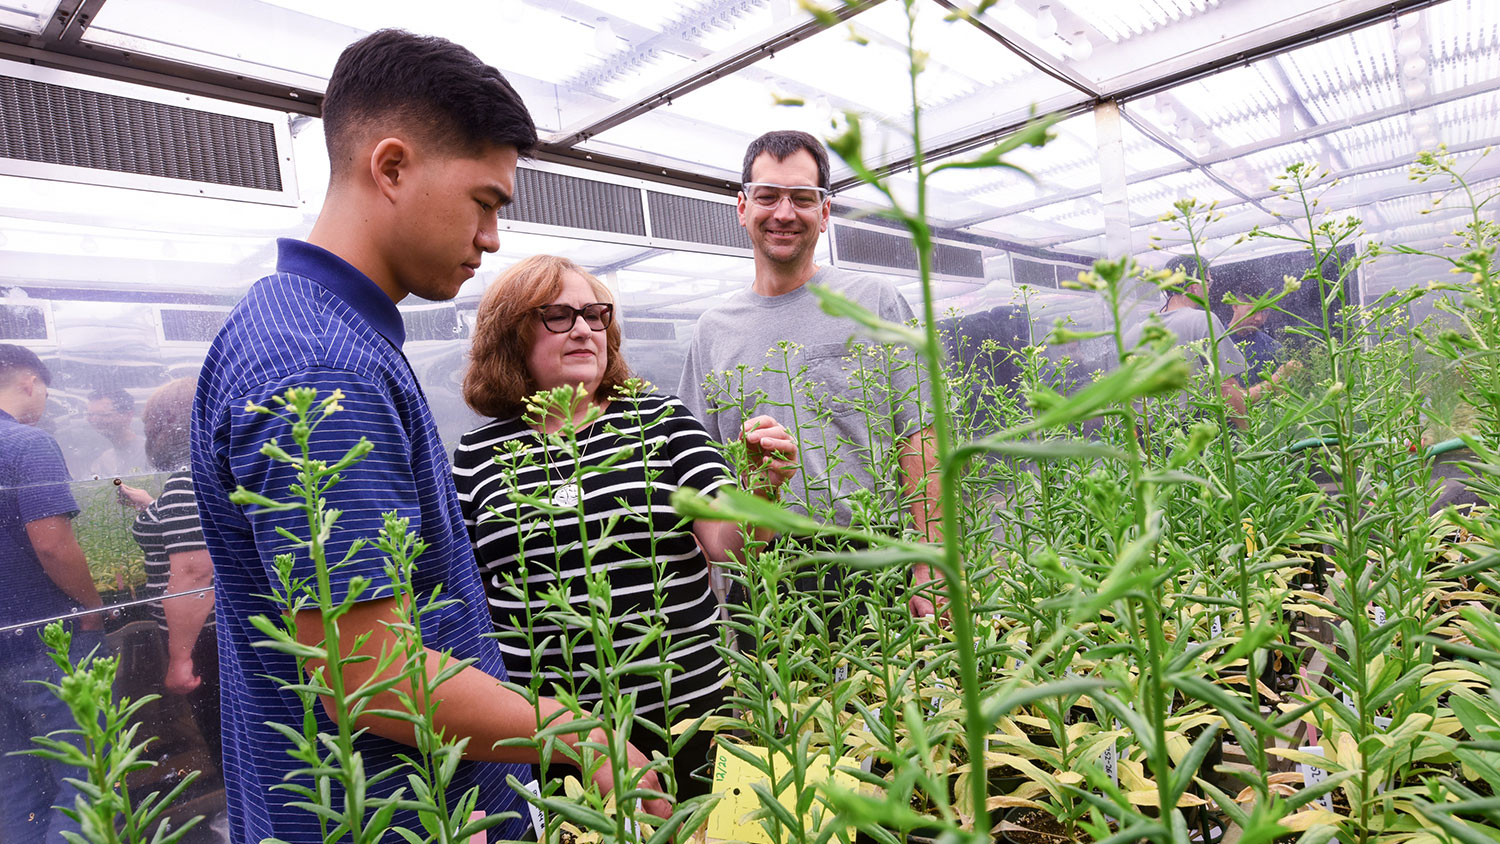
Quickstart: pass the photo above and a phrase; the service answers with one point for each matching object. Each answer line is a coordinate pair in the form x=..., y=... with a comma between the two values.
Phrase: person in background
x=177, y=560
x=46, y=577
x=112, y=414
x=784, y=207
x=547, y=323
x=1259, y=347
x=423, y=141
x=1261, y=350
x=1182, y=314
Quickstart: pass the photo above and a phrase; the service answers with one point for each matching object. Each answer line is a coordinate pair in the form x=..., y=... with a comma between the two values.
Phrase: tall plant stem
x=957, y=586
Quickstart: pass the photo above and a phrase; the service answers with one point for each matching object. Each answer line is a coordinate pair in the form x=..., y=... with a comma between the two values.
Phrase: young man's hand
x=605, y=778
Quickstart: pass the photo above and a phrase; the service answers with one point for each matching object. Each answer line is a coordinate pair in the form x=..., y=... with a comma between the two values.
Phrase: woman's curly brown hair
x=498, y=383
x=166, y=420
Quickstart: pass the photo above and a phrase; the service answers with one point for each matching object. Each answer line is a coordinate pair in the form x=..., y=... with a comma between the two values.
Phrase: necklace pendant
x=566, y=495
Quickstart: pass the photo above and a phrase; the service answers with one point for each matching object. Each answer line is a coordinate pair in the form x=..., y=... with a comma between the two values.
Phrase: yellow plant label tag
x=734, y=778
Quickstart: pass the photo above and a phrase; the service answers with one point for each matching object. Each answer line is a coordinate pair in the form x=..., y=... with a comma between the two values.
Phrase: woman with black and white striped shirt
x=178, y=568
x=546, y=323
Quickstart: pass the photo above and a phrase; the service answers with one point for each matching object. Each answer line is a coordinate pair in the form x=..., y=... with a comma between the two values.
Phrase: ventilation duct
x=23, y=322
x=882, y=250
x=76, y=128
x=184, y=325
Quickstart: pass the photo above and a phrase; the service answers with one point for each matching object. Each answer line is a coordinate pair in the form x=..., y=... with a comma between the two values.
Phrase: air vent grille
x=1034, y=273
x=22, y=322
x=881, y=249
x=554, y=199
x=180, y=325
x=55, y=124
x=693, y=220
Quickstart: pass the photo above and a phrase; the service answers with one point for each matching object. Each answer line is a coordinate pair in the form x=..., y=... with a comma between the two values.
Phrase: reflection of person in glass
x=45, y=577
x=546, y=324
x=1250, y=334
x=177, y=561
x=1261, y=350
x=112, y=414
x=1182, y=313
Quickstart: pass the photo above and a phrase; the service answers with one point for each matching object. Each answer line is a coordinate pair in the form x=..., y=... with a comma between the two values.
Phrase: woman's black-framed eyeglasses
x=559, y=319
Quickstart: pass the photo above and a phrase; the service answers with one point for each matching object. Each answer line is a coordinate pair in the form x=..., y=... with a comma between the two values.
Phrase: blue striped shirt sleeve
x=382, y=482
x=45, y=475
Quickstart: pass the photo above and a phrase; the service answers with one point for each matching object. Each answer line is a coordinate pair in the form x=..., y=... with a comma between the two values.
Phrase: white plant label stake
x=1109, y=760
x=1312, y=776
x=538, y=823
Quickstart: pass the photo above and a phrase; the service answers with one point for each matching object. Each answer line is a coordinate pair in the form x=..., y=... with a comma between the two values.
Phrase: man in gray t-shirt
x=825, y=384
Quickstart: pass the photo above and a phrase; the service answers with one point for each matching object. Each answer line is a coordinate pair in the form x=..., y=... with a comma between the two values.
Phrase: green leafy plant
x=104, y=746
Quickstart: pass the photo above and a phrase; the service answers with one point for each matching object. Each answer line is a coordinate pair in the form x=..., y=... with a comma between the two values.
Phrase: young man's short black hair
x=1187, y=264
x=119, y=398
x=426, y=85
x=14, y=359
x=784, y=144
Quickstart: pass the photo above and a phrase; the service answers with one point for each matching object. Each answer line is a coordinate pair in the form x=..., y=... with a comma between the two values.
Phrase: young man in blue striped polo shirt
x=423, y=141
x=45, y=576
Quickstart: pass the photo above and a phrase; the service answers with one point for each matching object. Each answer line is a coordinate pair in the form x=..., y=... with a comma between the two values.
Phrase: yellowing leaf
x=1008, y=802
x=1292, y=754
x=1309, y=818
x=1150, y=797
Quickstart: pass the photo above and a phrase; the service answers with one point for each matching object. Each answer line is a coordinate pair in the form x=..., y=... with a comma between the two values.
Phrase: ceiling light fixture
x=604, y=36
x=1080, y=48
x=1046, y=22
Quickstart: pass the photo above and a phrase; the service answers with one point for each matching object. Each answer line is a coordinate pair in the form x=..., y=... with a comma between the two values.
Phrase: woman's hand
x=182, y=677
x=773, y=455
x=134, y=497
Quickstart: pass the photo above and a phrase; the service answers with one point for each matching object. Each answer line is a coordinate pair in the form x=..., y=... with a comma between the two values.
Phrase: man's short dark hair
x=782, y=145
x=426, y=85
x=15, y=359
x=118, y=397
x=1189, y=266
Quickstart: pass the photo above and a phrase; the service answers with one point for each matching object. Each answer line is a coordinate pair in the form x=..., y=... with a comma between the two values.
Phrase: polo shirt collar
x=298, y=257
x=6, y=417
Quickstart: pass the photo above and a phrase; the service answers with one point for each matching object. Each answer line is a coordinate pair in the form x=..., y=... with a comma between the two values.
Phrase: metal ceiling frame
x=1413, y=189
x=1091, y=98
x=693, y=78
x=61, y=45
x=1225, y=154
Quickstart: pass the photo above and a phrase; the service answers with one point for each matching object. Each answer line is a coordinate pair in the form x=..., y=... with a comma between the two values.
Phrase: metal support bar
x=53, y=30
x=110, y=63
x=621, y=166
x=644, y=255
x=82, y=16
x=1061, y=74
x=1332, y=29
x=961, y=146
x=1161, y=83
x=697, y=77
x=1232, y=153
x=1414, y=189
